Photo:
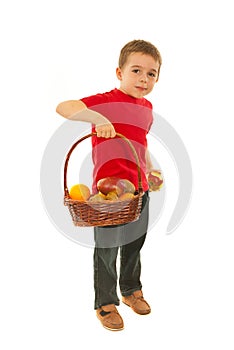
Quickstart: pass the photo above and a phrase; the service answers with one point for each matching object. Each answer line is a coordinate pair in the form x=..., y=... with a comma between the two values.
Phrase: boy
x=126, y=111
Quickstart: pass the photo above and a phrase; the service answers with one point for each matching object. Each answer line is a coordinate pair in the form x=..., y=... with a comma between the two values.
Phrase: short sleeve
x=94, y=100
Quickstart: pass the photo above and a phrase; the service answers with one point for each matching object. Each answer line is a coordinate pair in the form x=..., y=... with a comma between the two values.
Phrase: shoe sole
x=113, y=329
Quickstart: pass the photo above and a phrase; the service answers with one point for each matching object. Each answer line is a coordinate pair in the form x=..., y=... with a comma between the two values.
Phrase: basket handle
x=140, y=188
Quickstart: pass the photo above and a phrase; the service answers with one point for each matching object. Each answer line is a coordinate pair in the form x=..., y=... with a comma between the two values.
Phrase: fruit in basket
x=155, y=180
x=79, y=192
x=126, y=196
x=109, y=184
x=112, y=196
x=98, y=197
x=116, y=185
x=126, y=186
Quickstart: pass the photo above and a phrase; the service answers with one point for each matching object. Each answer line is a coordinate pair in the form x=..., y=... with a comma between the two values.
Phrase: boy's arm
x=149, y=164
x=77, y=110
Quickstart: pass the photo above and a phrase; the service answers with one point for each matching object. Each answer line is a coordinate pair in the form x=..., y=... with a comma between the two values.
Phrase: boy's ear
x=119, y=73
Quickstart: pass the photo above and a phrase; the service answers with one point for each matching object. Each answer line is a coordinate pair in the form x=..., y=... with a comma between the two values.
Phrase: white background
x=53, y=51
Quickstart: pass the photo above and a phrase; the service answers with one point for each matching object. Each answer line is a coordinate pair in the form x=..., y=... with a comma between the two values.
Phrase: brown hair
x=142, y=46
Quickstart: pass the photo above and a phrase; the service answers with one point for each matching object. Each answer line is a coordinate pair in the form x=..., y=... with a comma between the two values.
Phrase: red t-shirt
x=131, y=117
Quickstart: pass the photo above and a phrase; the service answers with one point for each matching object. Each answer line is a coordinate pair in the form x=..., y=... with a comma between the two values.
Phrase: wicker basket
x=105, y=213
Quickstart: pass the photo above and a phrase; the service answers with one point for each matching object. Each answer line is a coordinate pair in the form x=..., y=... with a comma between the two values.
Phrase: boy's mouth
x=141, y=88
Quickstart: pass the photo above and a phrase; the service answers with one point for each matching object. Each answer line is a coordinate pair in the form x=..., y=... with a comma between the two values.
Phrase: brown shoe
x=137, y=302
x=110, y=318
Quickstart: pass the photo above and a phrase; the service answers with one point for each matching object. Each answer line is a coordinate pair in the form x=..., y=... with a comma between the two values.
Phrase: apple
x=155, y=180
x=112, y=196
x=126, y=186
x=126, y=196
x=98, y=197
x=108, y=184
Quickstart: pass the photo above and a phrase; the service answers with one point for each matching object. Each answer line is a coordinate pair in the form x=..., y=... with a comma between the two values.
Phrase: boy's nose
x=143, y=78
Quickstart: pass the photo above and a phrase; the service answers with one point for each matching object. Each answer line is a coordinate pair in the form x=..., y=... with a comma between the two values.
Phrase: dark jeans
x=127, y=239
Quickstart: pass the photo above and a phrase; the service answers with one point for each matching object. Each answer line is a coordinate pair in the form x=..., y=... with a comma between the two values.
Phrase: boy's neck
x=120, y=89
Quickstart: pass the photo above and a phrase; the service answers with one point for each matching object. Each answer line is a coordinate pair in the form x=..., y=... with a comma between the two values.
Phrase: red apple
x=155, y=180
x=109, y=184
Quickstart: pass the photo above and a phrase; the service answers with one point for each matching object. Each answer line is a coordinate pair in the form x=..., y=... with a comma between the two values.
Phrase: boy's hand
x=155, y=180
x=105, y=129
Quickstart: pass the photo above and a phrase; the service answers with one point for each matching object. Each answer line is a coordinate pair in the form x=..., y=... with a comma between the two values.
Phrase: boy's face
x=138, y=75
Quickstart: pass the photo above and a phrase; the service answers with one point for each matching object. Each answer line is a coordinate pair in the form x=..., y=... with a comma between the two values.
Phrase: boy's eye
x=137, y=71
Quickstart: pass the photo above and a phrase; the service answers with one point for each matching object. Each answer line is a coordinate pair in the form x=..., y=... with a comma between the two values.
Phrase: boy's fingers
x=105, y=131
x=113, y=133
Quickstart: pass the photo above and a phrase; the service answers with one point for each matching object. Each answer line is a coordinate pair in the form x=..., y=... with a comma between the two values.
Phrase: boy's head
x=139, y=66
x=141, y=46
